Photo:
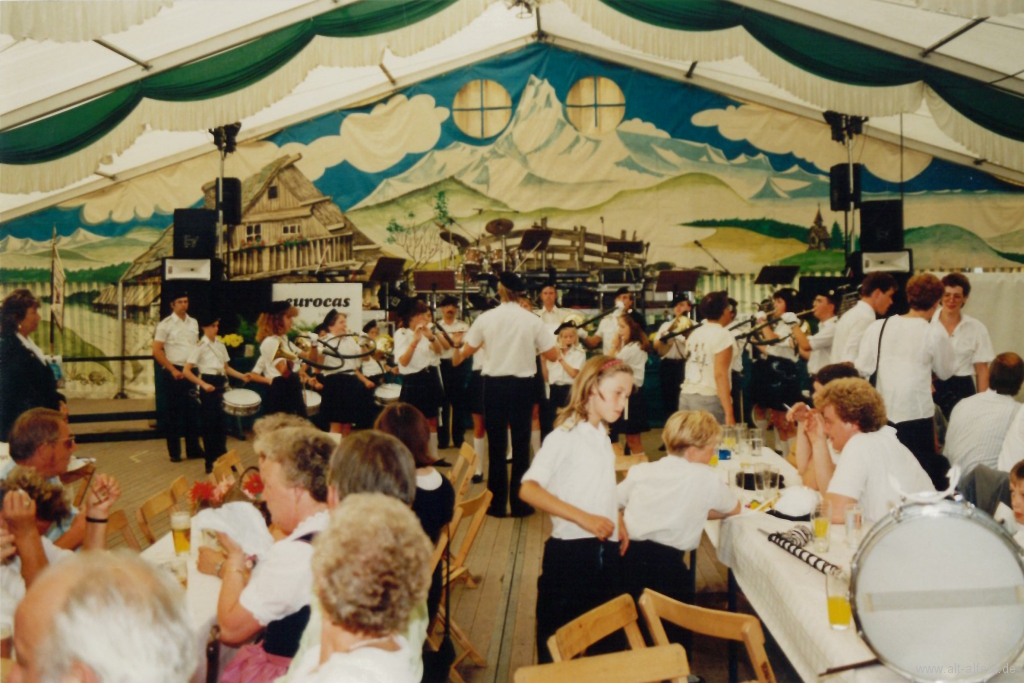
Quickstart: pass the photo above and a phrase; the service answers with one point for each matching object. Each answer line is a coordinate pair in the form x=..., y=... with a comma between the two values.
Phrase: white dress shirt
x=577, y=466
x=456, y=327
x=977, y=428
x=971, y=343
x=360, y=665
x=912, y=349
x=178, y=336
x=668, y=501
x=849, y=331
x=574, y=357
x=866, y=463
x=513, y=337
x=422, y=358
x=33, y=347
x=787, y=347
x=636, y=358
x=821, y=345
x=1012, y=451
x=702, y=346
x=209, y=357
x=552, y=318
x=479, y=359
x=282, y=582
x=676, y=345
x=268, y=350
x=607, y=329
x=12, y=584
x=345, y=345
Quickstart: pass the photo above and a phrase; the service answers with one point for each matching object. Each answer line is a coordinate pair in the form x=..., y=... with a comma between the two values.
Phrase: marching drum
x=241, y=402
x=313, y=400
x=387, y=393
x=937, y=593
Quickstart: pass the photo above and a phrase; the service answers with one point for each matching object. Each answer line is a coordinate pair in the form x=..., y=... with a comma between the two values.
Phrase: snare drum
x=940, y=585
x=313, y=400
x=473, y=255
x=241, y=402
x=387, y=393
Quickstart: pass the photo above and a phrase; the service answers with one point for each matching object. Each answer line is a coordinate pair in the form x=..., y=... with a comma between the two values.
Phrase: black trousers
x=508, y=404
x=455, y=407
x=211, y=416
x=671, y=376
x=284, y=395
x=919, y=437
x=549, y=410
x=648, y=564
x=182, y=417
x=576, y=576
x=949, y=392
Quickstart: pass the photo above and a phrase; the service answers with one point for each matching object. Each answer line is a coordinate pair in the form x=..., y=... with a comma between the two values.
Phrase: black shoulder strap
x=307, y=538
x=878, y=355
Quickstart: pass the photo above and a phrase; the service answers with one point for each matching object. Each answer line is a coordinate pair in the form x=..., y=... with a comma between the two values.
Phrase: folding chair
x=83, y=474
x=180, y=489
x=232, y=460
x=118, y=523
x=574, y=638
x=632, y=666
x=715, y=623
x=159, y=504
x=461, y=473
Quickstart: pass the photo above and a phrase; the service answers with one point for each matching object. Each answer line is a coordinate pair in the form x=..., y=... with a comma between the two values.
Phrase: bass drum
x=313, y=401
x=387, y=393
x=241, y=402
x=937, y=593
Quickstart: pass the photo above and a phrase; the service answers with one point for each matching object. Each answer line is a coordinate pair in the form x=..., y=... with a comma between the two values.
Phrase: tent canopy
x=105, y=91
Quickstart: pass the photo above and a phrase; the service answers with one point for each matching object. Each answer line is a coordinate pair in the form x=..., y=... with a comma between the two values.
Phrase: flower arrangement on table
x=206, y=494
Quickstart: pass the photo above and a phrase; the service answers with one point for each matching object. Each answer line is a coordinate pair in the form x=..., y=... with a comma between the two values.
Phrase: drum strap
x=963, y=598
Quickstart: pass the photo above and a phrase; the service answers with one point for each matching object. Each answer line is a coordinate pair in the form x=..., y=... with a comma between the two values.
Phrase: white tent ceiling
x=38, y=78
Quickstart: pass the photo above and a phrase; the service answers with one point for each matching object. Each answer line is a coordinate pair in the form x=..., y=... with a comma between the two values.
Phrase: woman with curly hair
x=281, y=373
x=275, y=595
x=371, y=568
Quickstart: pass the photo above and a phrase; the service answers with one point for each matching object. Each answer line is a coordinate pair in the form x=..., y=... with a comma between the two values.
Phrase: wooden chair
x=180, y=489
x=474, y=510
x=574, y=638
x=461, y=473
x=715, y=623
x=232, y=460
x=118, y=523
x=83, y=474
x=221, y=472
x=159, y=504
x=632, y=666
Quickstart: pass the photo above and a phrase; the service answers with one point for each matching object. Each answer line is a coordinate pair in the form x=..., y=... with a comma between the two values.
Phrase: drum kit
x=477, y=259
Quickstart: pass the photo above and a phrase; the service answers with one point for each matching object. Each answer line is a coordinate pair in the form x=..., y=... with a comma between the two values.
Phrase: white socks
x=433, y=445
x=535, y=440
x=480, y=446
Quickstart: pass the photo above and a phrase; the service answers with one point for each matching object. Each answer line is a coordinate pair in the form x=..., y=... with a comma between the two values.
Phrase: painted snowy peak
x=541, y=160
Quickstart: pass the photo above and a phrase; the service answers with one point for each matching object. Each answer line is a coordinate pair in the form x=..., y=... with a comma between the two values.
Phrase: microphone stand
x=720, y=264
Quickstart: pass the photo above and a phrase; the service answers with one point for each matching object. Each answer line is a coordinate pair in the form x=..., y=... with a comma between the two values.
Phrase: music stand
x=434, y=280
x=777, y=275
x=676, y=281
x=385, y=271
x=534, y=239
x=624, y=246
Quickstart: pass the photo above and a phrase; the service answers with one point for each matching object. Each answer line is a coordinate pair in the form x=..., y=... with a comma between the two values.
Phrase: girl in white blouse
x=572, y=478
x=285, y=392
x=418, y=350
x=346, y=390
x=630, y=346
x=560, y=374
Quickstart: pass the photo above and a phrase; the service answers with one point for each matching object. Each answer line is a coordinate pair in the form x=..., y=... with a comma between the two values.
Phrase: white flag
x=57, y=290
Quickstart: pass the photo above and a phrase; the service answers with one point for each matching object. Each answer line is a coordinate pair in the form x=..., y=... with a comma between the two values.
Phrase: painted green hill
x=462, y=201
x=950, y=246
x=67, y=343
x=816, y=261
x=764, y=226
x=1010, y=242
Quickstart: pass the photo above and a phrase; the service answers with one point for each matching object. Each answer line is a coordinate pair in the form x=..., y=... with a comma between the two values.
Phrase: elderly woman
x=26, y=380
x=435, y=497
x=293, y=465
x=371, y=567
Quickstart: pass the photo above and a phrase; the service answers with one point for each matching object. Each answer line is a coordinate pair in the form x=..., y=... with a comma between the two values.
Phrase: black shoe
x=496, y=512
x=196, y=456
x=442, y=463
x=478, y=478
x=522, y=510
x=175, y=458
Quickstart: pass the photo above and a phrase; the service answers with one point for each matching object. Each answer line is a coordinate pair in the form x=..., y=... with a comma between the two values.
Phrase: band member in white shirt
x=175, y=338
x=672, y=355
x=905, y=351
x=876, y=292
x=549, y=312
x=709, y=352
x=775, y=382
x=347, y=393
x=211, y=361
x=454, y=409
x=971, y=342
x=416, y=350
x=540, y=398
x=280, y=370
x=816, y=349
x=609, y=325
x=561, y=373
x=513, y=338
x=630, y=346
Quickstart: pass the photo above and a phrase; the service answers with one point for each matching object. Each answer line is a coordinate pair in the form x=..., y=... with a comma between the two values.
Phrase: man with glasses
x=42, y=440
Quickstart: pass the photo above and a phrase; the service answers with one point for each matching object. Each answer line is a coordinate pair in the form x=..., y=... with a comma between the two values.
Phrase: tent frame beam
x=953, y=36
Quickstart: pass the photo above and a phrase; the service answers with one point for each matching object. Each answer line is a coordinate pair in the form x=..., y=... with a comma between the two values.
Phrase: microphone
x=697, y=242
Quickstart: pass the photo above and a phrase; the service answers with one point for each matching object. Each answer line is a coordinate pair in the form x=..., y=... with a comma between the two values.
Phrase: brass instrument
x=385, y=344
x=602, y=314
x=575, y=318
x=679, y=326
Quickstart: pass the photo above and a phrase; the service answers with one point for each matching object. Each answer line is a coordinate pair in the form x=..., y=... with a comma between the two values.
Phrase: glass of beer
x=821, y=521
x=837, y=586
x=181, y=530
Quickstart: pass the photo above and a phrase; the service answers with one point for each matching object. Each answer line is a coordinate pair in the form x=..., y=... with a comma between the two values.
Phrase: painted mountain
x=81, y=249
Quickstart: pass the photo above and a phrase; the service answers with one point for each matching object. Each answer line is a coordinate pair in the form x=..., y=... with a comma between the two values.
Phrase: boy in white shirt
x=666, y=504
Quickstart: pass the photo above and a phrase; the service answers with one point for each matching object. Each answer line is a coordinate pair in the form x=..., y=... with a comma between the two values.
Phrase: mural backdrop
x=539, y=136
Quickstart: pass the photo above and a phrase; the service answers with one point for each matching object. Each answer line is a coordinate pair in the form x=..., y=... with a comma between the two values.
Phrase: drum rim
x=946, y=507
x=240, y=389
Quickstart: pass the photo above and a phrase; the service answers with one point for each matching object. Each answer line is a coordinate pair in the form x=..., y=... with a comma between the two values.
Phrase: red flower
x=202, y=492
x=253, y=485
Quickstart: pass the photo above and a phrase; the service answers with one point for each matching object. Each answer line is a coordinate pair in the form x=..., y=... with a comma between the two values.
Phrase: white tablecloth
x=789, y=597
x=203, y=592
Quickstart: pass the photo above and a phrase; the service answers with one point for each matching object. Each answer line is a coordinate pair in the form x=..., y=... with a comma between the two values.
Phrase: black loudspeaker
x=204, y=296
x=881, y=226
x=232, y=203
x=839, y=186
x=195, y=233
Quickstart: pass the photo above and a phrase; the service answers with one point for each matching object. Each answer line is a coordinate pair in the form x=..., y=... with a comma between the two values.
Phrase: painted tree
x=421, y=242
x=836, y=239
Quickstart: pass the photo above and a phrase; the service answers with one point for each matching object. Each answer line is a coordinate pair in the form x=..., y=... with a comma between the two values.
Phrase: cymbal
x=457, y=241
x=499, y=227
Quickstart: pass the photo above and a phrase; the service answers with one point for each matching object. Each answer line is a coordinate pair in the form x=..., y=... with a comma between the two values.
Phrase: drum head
x=241, y=397
x=938, y=593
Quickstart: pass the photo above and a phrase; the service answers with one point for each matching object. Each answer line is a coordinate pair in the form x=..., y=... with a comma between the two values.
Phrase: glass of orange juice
x=181, y=530
x=837, y=586
x=821, y=521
